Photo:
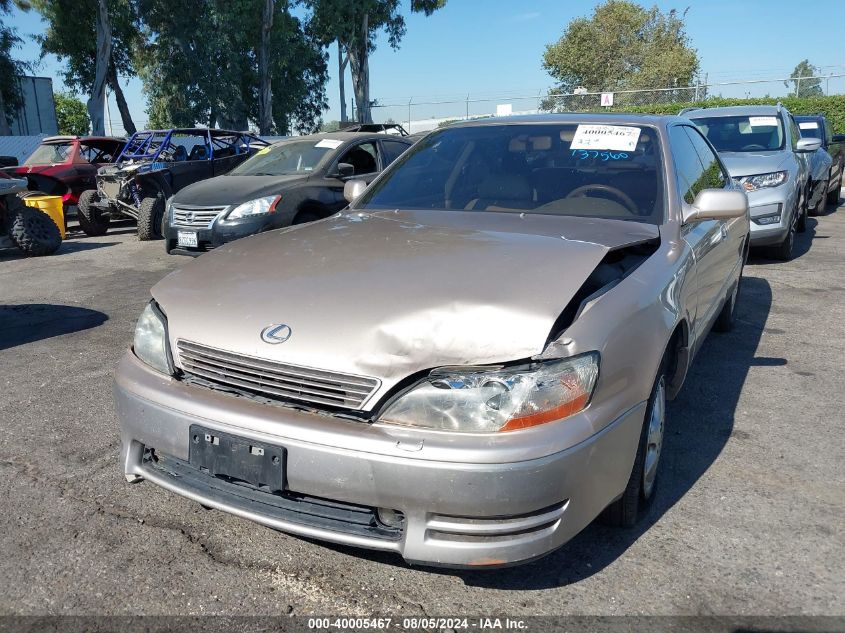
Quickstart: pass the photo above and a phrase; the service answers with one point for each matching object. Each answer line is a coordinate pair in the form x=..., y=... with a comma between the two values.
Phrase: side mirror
x=838, y=138
x=353, y=189
x=345, y=170
x=717, y=204
x=808, y=145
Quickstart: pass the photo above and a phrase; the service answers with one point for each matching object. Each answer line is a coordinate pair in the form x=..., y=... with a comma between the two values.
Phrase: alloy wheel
x=654, y=437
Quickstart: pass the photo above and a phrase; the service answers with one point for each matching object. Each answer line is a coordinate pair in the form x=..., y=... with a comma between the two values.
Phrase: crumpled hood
x=390, y=293
x=226, y=190
x=753, y=163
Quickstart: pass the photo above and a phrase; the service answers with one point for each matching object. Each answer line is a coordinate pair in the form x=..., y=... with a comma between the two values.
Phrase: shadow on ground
x=700, y=422
x=26, y=323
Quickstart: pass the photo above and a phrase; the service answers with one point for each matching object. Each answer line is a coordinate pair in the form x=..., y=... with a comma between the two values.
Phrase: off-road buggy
x=153, y=166
x=27, y=228
x=67, y=165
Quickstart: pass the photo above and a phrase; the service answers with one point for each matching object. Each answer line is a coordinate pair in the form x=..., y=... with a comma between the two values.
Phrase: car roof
x=809, y=117
x=601, y=118
x=747, y=110
x=60, y=138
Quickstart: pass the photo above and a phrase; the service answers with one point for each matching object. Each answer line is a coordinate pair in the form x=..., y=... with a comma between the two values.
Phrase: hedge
x=832, y=107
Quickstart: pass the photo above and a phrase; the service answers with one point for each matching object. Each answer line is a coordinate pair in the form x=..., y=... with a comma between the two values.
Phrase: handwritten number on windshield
x=584, y=154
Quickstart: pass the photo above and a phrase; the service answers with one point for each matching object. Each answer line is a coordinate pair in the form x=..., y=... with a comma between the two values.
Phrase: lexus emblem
x=275, y=334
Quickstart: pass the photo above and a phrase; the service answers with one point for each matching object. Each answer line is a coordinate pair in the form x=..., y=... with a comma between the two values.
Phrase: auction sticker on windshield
x=762, y=121
x=331, y=143
x=808, y=125
x=611, y=137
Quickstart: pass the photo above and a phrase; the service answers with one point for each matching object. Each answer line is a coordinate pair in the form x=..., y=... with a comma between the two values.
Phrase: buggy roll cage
x=148, y=145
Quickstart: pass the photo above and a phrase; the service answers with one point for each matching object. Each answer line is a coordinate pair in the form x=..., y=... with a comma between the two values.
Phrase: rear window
x=588, y=170
x=810, y=129
x=50, y=153
x=743, y=133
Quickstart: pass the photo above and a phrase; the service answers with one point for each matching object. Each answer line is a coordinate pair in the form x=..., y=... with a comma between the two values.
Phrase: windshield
x=289, y=157
x=810, y=129
x=743, y=133
x=50, y=153
x=587, y=170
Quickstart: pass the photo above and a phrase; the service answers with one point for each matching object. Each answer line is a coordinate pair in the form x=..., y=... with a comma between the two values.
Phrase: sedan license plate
x=237, y=458
x=187, y=238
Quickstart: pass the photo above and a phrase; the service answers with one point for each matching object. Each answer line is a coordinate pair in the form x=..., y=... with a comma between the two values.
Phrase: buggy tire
x=32, y=230
x=151, y=218
x=91, y=219
x=640, y=490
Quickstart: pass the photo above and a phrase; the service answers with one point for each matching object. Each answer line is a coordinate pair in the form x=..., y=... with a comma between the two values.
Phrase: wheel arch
x=678, y=357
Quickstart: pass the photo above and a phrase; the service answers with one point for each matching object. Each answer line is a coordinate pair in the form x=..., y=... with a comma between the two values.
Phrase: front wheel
x=639, y=492
x=150, y=218
x=32, y=230
x=91, y=219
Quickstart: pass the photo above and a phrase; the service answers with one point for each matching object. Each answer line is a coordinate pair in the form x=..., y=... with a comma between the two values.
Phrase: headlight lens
x=259, y=206
x=502, y=399
x=151, y=340
x=763, y=181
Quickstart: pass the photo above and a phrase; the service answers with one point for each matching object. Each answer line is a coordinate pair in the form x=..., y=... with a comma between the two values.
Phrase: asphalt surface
x=748, y=519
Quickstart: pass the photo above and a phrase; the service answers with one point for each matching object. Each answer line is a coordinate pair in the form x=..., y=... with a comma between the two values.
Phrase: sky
x=491, y=51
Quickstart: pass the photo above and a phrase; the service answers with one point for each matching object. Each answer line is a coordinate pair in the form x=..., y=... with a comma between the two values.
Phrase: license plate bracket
x=187, y=238
x=238, y=458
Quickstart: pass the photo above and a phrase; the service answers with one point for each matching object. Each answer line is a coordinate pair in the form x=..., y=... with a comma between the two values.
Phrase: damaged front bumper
x=458, y=504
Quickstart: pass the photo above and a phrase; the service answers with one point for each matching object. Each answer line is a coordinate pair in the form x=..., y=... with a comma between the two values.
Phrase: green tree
x=804, y=81
x=76, y=34
x=11, y=98
x=354, y=26
x=200, y=64
x=622, y=46
x=71, y=114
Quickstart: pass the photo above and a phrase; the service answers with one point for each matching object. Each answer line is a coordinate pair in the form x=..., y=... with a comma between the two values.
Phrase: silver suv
x=762, y=148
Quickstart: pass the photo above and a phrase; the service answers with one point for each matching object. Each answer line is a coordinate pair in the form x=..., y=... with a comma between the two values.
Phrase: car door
x=703, y=236
x=732, y=245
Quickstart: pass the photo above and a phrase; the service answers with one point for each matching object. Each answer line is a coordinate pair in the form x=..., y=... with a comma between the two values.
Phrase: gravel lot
x=748, y=520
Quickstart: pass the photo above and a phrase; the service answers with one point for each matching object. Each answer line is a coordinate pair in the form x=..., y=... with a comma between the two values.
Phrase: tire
x=725, y=320
x=801, y=224
x=642, y=483
x=151, y=218
x=822, y=202
x=783, y=251
x=833, y=196
x=91, y=219
x=32, y=230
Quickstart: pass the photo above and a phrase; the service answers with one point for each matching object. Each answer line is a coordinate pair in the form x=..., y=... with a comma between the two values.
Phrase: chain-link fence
x=419, y=114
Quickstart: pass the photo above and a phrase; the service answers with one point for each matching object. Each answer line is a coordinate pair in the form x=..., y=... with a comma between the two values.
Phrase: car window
x=50, y=153
x=587, y=170
x=392, y=150
x=288, y=157
x=97, y=155
x=714, y=175
x=363, y=157
x=688, y=168
x=747, y=133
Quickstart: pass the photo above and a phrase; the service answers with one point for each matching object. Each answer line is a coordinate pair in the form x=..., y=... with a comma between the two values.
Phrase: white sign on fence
x=607, y=99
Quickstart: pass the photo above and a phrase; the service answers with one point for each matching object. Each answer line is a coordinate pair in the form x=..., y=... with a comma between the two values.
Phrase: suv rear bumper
x=456, y=513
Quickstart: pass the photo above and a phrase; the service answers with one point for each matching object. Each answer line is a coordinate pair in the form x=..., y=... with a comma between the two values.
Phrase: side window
x=392, y=150
x=363, y=157
x=688, y=169
x=714, y=176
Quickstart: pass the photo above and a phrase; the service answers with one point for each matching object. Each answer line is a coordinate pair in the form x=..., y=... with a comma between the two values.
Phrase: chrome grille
x=275, y=380
x=195, y=217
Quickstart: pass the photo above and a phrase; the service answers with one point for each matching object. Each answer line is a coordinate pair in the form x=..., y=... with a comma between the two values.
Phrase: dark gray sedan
x=292, y=182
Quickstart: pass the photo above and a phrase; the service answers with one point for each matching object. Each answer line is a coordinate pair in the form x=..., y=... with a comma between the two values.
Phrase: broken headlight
x=482, y=400
x=151, y=339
